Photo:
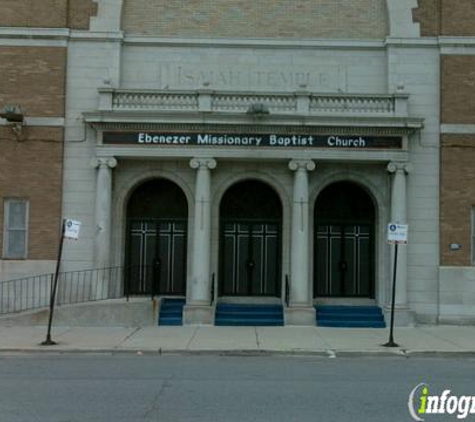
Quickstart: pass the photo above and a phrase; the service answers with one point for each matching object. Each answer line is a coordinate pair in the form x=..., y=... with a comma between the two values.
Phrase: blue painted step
x=231, y=314
x=171, y=312
x=350, y=316
x=345, y=309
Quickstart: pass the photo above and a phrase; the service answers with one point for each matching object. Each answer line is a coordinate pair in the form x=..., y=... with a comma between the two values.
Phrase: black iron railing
x=287, y=291
x=213, y=289
x=73, y=287
x=25, y=293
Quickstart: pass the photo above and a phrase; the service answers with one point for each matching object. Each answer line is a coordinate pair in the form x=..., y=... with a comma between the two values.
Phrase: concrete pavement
x=331, y=342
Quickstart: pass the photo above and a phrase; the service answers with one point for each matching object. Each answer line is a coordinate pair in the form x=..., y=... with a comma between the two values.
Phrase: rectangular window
x=15, y=228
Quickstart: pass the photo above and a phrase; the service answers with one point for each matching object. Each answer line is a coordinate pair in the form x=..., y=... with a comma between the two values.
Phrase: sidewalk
x=331, y=342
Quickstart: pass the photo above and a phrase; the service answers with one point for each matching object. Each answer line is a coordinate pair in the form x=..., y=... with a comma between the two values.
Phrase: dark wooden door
x=250, y=258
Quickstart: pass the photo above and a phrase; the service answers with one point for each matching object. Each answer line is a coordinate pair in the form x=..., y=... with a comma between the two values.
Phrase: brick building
x=251, y=143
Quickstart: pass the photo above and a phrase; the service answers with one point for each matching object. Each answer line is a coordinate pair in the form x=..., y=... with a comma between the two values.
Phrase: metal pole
x=391, y=342
x=48, y=341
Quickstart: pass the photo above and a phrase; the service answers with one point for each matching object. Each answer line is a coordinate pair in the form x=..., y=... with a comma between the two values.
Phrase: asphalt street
x=134, y=387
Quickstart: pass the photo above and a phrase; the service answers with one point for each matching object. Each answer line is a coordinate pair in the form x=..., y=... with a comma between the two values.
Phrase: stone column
x=399, y=215
x=198, y=310
x=300, y=311
x=103, y=215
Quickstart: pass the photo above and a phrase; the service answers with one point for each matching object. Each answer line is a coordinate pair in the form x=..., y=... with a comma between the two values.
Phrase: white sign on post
x=397, y=233
x=71, y=229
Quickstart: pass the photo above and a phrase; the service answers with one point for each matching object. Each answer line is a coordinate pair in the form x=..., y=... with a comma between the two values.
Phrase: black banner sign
x=250, y=140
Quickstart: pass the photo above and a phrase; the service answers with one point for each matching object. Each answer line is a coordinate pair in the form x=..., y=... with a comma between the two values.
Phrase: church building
x=247, y=152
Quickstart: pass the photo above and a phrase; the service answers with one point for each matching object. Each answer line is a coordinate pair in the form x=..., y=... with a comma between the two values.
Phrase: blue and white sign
x=71, y=229
x=397, y=233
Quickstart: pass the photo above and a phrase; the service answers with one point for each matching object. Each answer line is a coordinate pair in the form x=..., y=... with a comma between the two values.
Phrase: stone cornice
x=252, y=42
x=278, y=124
x=36, y=33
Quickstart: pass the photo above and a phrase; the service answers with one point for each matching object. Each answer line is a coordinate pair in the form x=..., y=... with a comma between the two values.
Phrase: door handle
x=343, y=266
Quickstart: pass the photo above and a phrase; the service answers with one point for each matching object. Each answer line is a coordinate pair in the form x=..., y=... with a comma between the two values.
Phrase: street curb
x=399, y=353
x=445, y=353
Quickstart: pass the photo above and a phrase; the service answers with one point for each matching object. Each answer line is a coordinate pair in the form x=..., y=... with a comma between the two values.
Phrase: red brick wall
x=32, y=169
x=458, y=89
x=446, y=17
x=33, y=77
x=47, y=13
x=457, y=189
x=457, y=197
x=427, y=14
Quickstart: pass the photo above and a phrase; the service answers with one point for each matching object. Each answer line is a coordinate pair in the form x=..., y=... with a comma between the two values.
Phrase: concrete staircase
x=171, y=312
x=350, y=316
x=232, y=314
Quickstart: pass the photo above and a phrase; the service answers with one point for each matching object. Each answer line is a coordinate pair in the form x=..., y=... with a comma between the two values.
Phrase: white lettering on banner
x=336, y=141
x=295, y=141
x=145, y=138
x=228, y=140
x=250, y=140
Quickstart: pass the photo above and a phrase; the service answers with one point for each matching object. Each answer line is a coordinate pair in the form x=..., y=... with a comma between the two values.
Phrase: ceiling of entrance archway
x=281, y=19
x=251, y=199
x=344, y=202
x=157, y=198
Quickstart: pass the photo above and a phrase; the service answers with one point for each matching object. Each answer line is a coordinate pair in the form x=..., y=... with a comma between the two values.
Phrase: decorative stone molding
x=394, y=167
x=307, y=165
x=108, y=162
x=343, y=126
x=198, y=163
x=301, y=102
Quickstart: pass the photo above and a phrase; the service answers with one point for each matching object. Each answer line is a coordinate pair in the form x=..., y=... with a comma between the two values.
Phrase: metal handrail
x=73, y=287
x=213, y=287
x=287, y=291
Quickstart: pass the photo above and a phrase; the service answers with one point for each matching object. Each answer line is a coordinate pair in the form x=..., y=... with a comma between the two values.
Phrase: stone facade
x=346, y=68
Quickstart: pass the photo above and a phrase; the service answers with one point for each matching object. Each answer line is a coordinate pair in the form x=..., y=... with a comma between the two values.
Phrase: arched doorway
x=250, y=240
x=156, y=239
x=344, y=242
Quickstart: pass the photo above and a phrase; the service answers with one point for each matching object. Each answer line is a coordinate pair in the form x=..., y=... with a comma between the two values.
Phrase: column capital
x=394, y=167
x=103, y=162
x=207, y=163
x=307, y=165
